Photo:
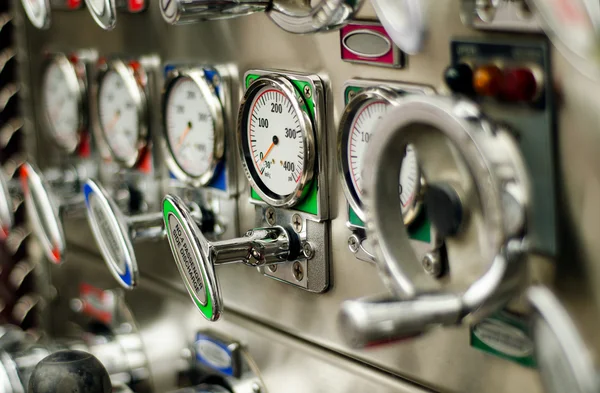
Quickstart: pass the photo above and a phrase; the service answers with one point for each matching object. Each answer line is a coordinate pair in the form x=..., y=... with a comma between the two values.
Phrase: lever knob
x=178, y=12
x=70, y=371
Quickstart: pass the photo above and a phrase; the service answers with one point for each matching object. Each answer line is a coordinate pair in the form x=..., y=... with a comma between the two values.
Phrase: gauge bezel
x=107, y=20
x=281, y=83
x=41, y=23
x=138, y=94
x=75, y=86
x=218, y=119
x=362, y=98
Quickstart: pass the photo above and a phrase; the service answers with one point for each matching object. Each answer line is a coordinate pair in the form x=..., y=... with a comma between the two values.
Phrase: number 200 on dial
x=277, y=141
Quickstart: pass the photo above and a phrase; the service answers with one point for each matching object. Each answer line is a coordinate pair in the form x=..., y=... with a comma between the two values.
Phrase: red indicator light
x=145, y=163
x=136, y=5
x=74, y=4
x=519, y=85
x=487, y=80
x=84, y=150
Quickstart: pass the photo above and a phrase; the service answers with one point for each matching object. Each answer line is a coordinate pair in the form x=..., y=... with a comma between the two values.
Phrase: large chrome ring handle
x=43, y=213
x=326, y=15
x=492, y=161
x=196, y=257
x=111, y=232
x=6, y=207
x=563, y=359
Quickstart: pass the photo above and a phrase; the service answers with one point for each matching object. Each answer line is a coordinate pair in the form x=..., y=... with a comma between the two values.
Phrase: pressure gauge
x=104, y=12
x=62, y=103
x=357, y=125
x=122, y=111
x=277, y=141
x=194, y=128
x=38, y=12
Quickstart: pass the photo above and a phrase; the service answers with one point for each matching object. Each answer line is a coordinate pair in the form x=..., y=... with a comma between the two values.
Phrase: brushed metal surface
x=443, y=359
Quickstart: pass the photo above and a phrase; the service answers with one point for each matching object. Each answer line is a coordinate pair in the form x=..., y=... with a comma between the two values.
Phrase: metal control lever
x=287, y=14
x=49, y=196
x=8, y=204
x=70, y=371
x=196, y=257
x=115, y=232
x=478, y=199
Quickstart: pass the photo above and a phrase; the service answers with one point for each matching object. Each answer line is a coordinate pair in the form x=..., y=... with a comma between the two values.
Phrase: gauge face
x=61, y=100
x=276, y=142
x=190, y=127
x=119, y=115
x=356, y=140
x=38, y=12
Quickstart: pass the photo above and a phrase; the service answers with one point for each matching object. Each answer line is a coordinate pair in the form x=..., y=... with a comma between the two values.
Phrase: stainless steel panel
x=443, y=359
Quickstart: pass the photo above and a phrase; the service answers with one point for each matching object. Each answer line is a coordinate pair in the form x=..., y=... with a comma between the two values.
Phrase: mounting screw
x=216, y=80
x=353, y=244
x=270, y=216
x=297, y=222
x=432, y=263
x=298, y=271
x=273, y=268
x=76, y=305
x=256, y=388
x=307, y=91
x=308, y=250
x=351, y=94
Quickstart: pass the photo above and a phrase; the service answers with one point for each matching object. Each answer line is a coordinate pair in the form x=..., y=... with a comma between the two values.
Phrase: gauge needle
x=268, y=151
x=183, y=135
x=113, y=122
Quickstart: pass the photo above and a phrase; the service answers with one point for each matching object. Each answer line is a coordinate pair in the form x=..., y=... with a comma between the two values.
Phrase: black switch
x=444, y=208
x=69, y=371
x=459, y=78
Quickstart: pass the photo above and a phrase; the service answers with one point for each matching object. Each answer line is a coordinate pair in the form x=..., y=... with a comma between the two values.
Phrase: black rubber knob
x=444, y=208
x=459, y=78
x=68, y=372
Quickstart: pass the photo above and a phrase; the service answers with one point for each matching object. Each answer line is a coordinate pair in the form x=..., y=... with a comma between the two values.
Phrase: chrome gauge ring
x=483, y=168
x=276, y=141
x=194, y=131
x=62, y=100
x=38, y=12
x=325, y=15
x=122, y=113
x=104, y=12
x=357, y=125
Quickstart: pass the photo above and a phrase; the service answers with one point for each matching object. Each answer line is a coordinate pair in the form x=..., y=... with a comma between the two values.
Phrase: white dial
x=61, y=99
x=119, y=115
x=38, y=12
x=190, y=127
x=276, y=141
x=359, y=135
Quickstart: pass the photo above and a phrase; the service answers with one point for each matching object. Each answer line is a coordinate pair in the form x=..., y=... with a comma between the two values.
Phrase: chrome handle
x=115, y=232
x=196, y=257
x=484, y=167
x=43, y=212
x=178, y=12
x=325, y=15
x=365, y=323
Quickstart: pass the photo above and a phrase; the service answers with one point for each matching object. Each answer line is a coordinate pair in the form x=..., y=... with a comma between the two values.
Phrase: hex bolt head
x=351, y=94
x=272, y=268
x=270, y=216
x=298, y=271
x=297, y=223
x=432, y=263
x=353, y=244
x=216, y=79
